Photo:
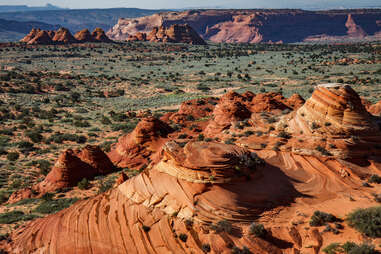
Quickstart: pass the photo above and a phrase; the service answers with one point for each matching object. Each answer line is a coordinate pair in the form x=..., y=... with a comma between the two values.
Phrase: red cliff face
x=175, y=34
x=254, y=26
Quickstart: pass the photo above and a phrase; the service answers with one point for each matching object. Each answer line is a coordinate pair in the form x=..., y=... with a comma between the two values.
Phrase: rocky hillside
x=254, y=26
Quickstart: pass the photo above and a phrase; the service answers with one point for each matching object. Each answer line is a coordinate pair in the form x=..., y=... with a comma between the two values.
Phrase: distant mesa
x=176, y=33
x=63, y=36
x=259, y=26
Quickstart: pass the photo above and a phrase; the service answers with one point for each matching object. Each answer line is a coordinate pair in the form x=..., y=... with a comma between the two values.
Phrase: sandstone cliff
x=253, y=26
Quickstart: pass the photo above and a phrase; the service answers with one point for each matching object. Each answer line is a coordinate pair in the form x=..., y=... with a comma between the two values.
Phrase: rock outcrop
x=63, y=36
x=70, y=168
x=175, y=33
x=254, y=26
x=84, y=36
x=41, y=38
x=100, y=36
x=375, y=109
x=335, y=122
x=135, y=149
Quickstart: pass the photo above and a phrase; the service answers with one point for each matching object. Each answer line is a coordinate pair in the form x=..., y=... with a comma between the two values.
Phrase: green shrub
x=83, y=184
x=183, y=237
x=206, y=247
x=13, y=156
x=15, y=216
x=320, y=218
x=375, y=179
x=366, y=221
x=223, y=226
x=257, y=229
x=53, y=206
x=349, y=248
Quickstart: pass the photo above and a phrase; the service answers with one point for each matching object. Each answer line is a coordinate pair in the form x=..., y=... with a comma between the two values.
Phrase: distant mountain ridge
x=24, y=8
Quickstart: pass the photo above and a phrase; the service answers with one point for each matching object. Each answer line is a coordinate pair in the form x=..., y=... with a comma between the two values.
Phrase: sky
x=177, y=4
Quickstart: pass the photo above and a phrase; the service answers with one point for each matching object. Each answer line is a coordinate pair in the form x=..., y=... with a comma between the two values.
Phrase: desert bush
x=206, y=247
x=349, y=248
x=15, y=216
x=183, y=237
x=53, y=206
x=320, y=218
x=83, y=184
x=257, y=229
x=222, y=226
x=13, y=156
x=366, y=221
x=374, y=179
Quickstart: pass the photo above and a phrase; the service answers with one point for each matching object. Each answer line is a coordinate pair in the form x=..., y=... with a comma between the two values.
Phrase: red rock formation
x=70, y=168
x=231, y=108
x=121, y=179
x=99, y=35
x=335, y=120
x=31, y=35
x=63, y=35
x=353, y=29
x=268, y=102
x=41, y=38
x=137, y=37
x=295, y=101
x=375, y=109
x=175, y=33
x=84, y=36
x=254, y=26
x=194, y=110
x=135, y=149
x=180, y=196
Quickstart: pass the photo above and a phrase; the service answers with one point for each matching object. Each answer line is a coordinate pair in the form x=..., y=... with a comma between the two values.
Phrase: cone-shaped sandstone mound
x=31, y=35
x=135, y=149
x=70, y=168
x=41, y=38
x=99, y=35
x=84, y=36
x=335, y=120
x=63, y=35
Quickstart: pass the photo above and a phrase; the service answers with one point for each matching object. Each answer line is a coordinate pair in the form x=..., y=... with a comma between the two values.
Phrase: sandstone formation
x=84, y=36
x=135, y=149
x=375, y=109
x=41, y=38
x=178, y=196
x=99, y=35
x=70, y=168
x=336, y=115
x=175, y=33
x=63, y=36
x=254, y=26
x=194, y=110
x=202, y=196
